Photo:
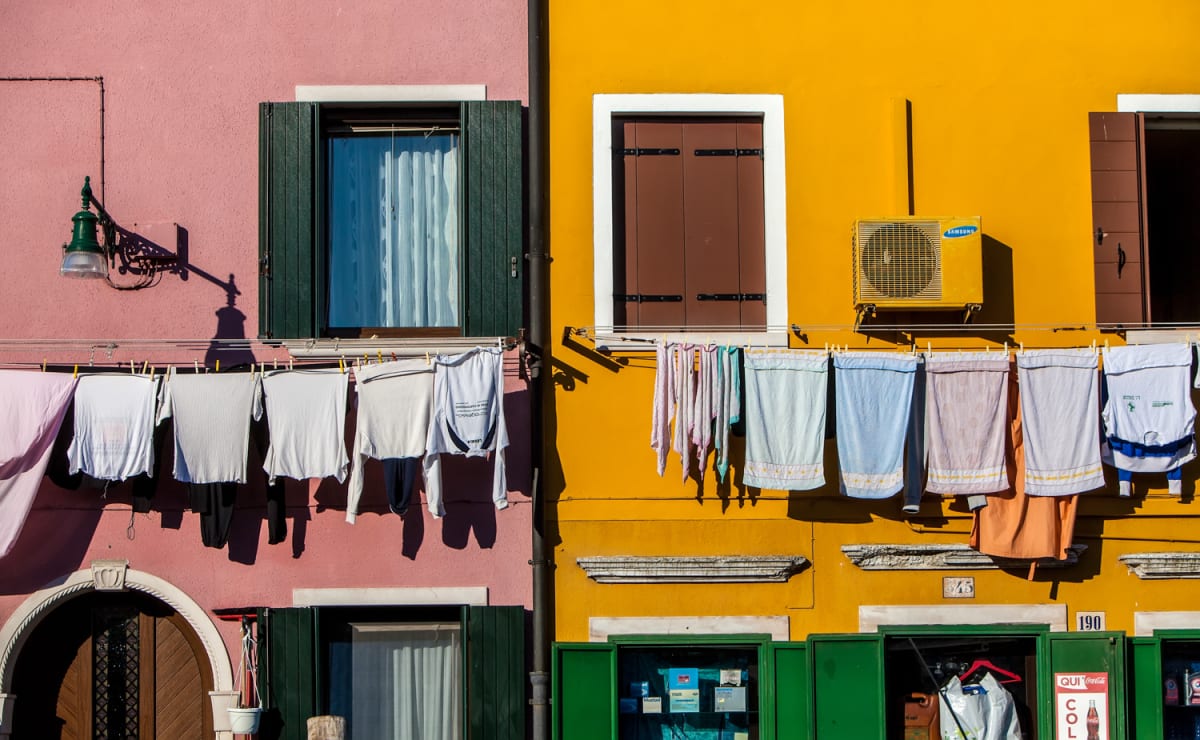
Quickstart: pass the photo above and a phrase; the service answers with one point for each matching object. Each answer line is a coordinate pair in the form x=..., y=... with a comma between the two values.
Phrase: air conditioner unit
x=918, y=263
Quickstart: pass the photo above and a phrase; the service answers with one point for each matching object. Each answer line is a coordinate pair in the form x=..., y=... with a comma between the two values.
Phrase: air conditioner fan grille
x=900, y=260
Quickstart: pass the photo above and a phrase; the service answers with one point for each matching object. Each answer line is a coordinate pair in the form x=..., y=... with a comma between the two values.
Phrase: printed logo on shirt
x=1161, y=404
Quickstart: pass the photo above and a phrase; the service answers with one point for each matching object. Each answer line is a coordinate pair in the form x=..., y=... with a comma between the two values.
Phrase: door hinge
x=729, y=152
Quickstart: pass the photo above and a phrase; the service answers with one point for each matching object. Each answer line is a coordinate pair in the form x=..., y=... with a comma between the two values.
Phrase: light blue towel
x=874, y=399
x=785, y=418
x=729, y=408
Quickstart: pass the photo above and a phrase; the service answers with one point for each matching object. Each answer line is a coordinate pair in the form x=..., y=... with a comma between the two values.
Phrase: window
x=391, y=220
x=689, y=213
x=401, y=673
x=1143, y=195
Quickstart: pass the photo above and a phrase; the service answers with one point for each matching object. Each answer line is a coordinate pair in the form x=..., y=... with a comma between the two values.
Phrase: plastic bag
x=990, y=714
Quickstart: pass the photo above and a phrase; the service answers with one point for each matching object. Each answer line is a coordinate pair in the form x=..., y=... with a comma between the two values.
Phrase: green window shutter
x=1086, y=652
x=583, y=681
x=290, y=269
x=496, y=679
x=1146, y=686
x=288, y=664
x=847, y=676
x=793, y=690
x=493, y=181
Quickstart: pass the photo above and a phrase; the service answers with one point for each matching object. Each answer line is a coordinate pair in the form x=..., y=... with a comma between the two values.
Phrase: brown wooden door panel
x=710, y=223
x=179, y=686
x=752, y=238
x=1118, y=197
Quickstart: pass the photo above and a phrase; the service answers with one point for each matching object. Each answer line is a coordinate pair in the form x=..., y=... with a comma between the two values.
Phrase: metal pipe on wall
x=538, y=256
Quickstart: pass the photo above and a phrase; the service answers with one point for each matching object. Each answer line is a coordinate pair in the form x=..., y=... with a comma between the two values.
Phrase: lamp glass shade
x=84, y=264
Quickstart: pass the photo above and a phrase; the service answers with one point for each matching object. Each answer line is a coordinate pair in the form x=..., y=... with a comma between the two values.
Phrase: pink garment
x=664, y=402
x=32, y=406
x=705, y=408
x=685, y=405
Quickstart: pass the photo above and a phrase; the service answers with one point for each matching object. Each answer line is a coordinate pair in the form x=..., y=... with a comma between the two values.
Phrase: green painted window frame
x=292, y=272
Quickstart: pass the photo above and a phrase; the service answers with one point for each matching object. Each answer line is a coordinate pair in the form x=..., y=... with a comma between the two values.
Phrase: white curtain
x=394, y=230
x=405, y=682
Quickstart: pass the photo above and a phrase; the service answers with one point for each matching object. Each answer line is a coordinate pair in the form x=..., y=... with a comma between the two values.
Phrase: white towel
x=1060, y=418
x=966, y=418
x=785, y=418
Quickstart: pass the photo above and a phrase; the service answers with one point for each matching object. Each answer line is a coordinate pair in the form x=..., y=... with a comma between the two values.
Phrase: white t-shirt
x=468, y=419
x=114, y=426
x=306, y=415
x=212, y=415
x=394, y=404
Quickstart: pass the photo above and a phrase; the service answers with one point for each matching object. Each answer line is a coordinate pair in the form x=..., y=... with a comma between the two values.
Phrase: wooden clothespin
x=196, y=366
x=1022, y=347
x=153, y=370
x=132, y=368
x=291, y=363
x=218, y=369
x=426, y=358
x=380, y=353
x=43, y=364
x=75, y=373
x=274, y=363
x=145, y=364
x=342, y=364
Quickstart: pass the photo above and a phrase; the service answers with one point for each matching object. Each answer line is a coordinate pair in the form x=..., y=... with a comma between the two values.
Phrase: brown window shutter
x=752, y=239
x=1118, y=223
x=711, y=224
x=654, y=221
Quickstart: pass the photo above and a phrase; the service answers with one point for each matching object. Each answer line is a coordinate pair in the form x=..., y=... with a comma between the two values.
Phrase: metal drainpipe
x=538, y=257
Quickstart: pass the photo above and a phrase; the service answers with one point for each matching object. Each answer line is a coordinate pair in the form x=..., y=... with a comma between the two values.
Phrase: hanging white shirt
x=212, y=415
x=468, y=419
x=115, y=416
x=306, y=418
x=395, y=400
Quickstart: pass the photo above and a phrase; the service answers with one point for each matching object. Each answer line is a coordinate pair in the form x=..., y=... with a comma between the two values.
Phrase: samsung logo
x=958, y=231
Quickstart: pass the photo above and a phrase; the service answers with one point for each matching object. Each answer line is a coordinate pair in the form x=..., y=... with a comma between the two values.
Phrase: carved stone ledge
x=943, y=557
x=706, y=569
x=1157, y=566
x=109, y=575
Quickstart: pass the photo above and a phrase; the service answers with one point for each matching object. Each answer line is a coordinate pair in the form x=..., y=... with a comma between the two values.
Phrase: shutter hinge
x=650, y=152
x=729, y=153
x=647, y=298
x=732, y=297
x=512, y=267
x=264, y=266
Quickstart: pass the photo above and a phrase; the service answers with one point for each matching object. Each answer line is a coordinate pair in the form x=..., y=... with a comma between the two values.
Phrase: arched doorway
x=112, y=665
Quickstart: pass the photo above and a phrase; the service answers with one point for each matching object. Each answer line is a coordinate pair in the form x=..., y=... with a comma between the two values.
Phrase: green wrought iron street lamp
x=85, y=257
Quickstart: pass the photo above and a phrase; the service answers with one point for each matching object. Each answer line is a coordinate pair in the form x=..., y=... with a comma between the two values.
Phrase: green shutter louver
x=496, y=678
x=289, y=260
x=288, y=667
x=584, y=683
x=493, y=174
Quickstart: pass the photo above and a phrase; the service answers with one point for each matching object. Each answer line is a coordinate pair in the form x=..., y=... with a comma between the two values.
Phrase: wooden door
x=116, y=666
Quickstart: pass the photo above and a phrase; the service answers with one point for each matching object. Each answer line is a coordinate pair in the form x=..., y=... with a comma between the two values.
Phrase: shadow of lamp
x=86, y=257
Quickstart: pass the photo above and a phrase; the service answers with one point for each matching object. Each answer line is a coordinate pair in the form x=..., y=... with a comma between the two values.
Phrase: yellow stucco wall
x=1000, y=94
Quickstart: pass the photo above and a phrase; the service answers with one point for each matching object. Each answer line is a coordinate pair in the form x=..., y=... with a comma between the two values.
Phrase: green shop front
x=884, y=684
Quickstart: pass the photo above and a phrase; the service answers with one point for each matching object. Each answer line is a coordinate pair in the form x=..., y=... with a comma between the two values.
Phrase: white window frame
x=770, y=107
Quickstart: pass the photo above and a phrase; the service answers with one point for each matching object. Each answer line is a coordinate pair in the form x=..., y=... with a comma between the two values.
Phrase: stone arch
x=107, y=575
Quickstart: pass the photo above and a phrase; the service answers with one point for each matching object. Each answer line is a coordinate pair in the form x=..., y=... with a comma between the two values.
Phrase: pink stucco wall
x=182, y=87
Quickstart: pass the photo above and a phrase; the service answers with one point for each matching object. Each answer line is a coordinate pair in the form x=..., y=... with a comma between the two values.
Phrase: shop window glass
x=1181, y=688
x=692, y=692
